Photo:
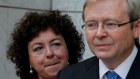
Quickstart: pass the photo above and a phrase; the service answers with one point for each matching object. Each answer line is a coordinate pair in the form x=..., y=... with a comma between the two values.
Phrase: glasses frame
x=119, y=25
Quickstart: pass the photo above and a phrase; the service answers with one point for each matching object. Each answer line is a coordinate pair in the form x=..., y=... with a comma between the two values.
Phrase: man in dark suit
x=112, y=30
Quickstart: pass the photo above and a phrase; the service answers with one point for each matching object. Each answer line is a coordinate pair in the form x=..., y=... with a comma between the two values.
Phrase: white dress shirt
x=122, y=69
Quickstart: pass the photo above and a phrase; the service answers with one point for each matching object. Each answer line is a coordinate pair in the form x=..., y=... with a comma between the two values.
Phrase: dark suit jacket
x=89, y=69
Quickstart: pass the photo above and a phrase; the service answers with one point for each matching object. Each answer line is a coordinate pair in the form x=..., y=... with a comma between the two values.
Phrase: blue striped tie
x=112, y=75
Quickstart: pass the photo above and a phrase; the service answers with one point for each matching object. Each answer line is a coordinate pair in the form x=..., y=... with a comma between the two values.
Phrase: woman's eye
x=37, y=49
x=56, y=45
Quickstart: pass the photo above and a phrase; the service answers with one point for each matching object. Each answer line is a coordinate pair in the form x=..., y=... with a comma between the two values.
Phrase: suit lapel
x=135, y=68
x=92, y=69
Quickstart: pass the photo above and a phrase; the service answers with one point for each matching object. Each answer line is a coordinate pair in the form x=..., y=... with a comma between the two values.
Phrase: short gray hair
x=133, y=7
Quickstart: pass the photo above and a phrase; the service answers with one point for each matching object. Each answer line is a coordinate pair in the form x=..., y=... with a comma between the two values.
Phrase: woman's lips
x=51, y=64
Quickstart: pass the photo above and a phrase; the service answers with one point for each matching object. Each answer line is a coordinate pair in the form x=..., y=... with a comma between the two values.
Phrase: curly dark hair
x=30, y=26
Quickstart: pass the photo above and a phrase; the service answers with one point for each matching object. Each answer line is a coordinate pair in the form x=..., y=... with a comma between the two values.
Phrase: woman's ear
x=136, y=28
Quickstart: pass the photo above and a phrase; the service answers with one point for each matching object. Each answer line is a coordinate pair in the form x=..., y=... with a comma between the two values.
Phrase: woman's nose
x=49, y=52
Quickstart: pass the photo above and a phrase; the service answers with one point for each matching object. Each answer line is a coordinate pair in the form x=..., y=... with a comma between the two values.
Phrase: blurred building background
x=12, y=10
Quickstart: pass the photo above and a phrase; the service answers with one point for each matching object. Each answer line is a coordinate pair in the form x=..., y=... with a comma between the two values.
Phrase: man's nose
x=101, y=32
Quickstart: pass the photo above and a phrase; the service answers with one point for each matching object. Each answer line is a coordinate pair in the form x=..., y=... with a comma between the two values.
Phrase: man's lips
x=102, y=46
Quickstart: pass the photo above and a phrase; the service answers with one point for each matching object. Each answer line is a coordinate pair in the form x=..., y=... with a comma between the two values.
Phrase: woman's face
x=48, y=54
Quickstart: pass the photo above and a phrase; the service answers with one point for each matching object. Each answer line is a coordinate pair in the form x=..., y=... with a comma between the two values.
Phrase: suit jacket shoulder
x=87, y=69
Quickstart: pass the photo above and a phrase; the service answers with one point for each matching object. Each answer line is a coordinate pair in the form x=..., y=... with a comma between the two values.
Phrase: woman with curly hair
x=42, y=43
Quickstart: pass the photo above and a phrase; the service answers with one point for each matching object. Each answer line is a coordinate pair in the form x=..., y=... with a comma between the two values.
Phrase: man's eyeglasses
x=92, y=25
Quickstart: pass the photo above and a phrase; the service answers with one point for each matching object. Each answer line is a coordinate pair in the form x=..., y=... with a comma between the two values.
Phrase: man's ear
x=136, y=28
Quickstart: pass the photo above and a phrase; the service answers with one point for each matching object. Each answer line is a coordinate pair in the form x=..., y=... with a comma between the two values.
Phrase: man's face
x=114, y=44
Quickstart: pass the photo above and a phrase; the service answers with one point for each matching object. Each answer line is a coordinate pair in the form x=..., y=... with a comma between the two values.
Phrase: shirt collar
x=102, y=69
x=122, y=69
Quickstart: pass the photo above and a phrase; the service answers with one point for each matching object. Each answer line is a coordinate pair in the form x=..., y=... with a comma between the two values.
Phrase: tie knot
x=112, y=75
